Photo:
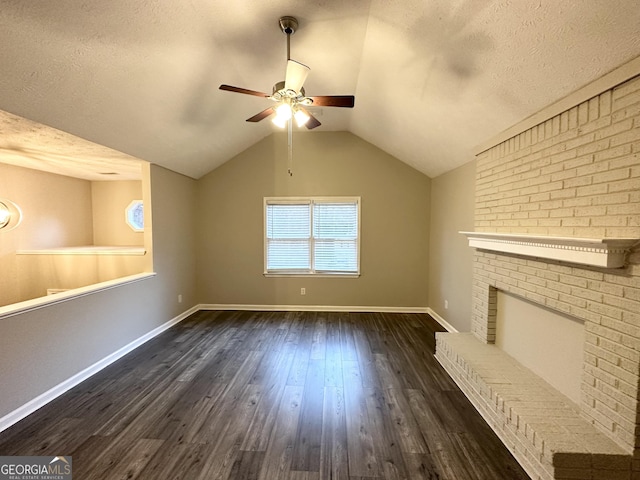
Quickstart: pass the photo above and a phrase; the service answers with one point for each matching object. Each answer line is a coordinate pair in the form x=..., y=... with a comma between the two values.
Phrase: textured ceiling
x=432, y=79
x=32, y=145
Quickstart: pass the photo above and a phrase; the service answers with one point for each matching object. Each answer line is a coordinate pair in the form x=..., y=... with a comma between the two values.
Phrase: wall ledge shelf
x=7, y=311
x=86, y=250
x=595, y=252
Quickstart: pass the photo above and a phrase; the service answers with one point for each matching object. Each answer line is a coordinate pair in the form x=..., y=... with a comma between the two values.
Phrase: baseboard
x=311, y=308
x=450, y=328
x=53, y=393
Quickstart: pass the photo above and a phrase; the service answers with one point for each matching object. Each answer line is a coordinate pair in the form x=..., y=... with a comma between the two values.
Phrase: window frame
x=311, y=201
x=129, y=215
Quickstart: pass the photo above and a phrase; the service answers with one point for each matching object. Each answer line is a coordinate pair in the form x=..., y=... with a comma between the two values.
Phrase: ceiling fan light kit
x=10, y=215
x=290, y=94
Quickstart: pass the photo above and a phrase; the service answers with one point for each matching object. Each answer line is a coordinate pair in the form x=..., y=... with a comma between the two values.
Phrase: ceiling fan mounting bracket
x=288, y=25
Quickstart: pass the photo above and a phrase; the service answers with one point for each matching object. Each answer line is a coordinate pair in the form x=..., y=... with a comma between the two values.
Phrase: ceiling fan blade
x=295, y=76
x=262, y=115
x=230, y=88
x=313, y=122
x=347, y=101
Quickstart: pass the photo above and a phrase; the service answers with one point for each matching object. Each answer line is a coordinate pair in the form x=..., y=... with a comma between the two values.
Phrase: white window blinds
x=335, y=231
x=312, y=235
x=288, y=235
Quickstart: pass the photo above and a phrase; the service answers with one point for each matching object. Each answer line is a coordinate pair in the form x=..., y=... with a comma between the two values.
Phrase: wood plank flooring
x=255, y=395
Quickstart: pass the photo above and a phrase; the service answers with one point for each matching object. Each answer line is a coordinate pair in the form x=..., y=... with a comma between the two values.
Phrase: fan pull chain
x=290, y=146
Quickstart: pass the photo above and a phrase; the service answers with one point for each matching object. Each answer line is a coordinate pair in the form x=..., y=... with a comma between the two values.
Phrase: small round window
x=134, y=215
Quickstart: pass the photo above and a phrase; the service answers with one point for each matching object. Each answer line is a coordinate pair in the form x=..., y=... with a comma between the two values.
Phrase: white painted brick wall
x=575, y=175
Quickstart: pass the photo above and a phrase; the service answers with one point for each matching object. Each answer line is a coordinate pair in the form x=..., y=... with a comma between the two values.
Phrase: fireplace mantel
x=596, y=252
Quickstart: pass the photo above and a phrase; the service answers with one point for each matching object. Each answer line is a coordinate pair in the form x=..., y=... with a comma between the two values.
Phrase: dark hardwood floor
x=246, y=395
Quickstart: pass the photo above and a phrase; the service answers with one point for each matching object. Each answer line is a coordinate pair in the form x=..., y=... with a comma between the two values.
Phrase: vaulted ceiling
x=432, y=78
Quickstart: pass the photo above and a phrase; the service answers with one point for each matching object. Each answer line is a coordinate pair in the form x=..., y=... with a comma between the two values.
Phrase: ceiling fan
x=289, y=95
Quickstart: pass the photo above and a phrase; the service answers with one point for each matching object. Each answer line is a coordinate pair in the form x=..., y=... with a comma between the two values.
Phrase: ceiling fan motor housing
x=279, y=88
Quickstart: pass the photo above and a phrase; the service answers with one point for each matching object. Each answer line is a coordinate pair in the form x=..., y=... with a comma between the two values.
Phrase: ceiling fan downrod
x=288, y=25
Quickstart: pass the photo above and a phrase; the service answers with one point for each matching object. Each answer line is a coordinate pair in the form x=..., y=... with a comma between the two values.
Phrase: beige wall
x=450, y=258
x=56, y=209
x=110, y=200
x=56, y=213
x=394, y=224
x=174, y=238
x=41, y=348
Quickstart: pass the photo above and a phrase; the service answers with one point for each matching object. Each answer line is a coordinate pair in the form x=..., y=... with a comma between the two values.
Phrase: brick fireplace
x=575, y=176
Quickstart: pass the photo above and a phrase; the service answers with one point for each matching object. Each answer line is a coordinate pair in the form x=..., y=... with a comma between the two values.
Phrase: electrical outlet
x=303, y=291
x=180, y=298
x=446, y=304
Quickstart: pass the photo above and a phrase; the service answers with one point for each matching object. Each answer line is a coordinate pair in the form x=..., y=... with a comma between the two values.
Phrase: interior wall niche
x=547, y=342
x=73, y=234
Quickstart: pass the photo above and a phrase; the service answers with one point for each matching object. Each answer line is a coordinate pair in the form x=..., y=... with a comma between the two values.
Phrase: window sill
x=312, y=275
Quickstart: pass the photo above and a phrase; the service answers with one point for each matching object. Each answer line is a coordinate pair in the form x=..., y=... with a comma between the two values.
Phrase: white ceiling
x=432, y=79
x=30, y=144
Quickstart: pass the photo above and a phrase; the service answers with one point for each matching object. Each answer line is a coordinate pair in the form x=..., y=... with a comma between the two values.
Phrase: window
x=134, y=216
x=309, y=236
